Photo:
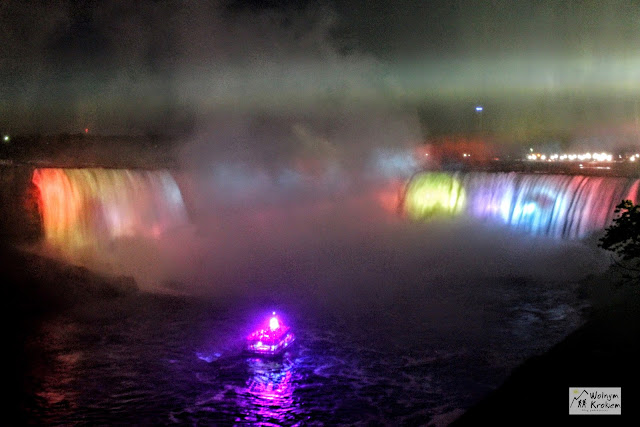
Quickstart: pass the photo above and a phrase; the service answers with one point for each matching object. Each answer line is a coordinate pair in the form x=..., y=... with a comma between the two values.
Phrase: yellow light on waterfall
x=431, y=194
x=89, y=208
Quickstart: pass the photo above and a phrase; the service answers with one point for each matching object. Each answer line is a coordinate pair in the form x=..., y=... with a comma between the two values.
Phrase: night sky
x=540, y=68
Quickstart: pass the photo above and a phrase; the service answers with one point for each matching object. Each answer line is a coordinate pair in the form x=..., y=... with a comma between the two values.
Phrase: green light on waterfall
x=431, y=194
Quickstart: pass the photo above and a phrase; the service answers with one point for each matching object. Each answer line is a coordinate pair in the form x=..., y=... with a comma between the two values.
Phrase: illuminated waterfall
x=561, y=206
x=432, y=194
x=88, y=208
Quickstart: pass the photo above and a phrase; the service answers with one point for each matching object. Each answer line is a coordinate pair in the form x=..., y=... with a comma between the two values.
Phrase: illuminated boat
x=271, y=340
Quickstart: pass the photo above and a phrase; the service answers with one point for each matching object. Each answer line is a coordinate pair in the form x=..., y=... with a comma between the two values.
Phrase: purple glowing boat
x=271, y=340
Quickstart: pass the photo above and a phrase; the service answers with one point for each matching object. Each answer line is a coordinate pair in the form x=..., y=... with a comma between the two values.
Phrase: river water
x=151, y=359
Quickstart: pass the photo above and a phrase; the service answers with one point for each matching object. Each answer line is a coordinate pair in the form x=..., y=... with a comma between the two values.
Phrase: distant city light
x=86, y=130
x=479, y=108
x=6, y=138
x=595, y=157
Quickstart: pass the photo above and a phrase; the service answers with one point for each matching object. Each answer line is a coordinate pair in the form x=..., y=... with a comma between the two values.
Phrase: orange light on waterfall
x=82, y=209
x=59, y=205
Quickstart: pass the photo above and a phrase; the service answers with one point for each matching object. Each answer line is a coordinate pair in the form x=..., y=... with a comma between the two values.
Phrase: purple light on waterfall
x=558, y=206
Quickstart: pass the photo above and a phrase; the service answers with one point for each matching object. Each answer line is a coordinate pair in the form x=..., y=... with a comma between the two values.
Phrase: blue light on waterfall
x=534, y=210
x=558, y=206
x=529, y=208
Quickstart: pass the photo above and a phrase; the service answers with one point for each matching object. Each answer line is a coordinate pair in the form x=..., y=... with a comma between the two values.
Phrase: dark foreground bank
x=605, y=352
x=35, y=288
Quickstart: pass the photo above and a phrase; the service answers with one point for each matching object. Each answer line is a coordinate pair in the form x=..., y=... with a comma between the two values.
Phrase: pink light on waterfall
x=86, y=208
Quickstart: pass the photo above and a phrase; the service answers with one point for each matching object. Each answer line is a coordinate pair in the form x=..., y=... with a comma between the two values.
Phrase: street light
x=479, y=110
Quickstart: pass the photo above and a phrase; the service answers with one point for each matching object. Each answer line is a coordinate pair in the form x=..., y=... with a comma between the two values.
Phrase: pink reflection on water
x=269, y=392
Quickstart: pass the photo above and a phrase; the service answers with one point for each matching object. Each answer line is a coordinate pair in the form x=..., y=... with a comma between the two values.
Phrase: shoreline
x=41, y=284
x=604, y=352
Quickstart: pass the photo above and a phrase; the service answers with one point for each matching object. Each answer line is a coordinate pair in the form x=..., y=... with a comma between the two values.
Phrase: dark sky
x=164, y=66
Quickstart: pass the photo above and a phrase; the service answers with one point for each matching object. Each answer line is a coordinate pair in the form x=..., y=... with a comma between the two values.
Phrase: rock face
x=18, y=205
x=39, y=285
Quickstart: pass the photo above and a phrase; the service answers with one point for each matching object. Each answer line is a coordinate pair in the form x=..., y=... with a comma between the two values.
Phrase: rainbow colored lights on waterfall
x=87, y=208
x=271, y=339
x=560, y=206
x=432, y=194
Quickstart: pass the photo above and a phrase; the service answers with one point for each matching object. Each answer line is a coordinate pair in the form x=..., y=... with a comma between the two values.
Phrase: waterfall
x=88, y=208
x=561, y=206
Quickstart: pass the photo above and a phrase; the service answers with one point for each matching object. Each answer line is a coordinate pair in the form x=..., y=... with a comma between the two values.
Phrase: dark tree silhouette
x=623, y=236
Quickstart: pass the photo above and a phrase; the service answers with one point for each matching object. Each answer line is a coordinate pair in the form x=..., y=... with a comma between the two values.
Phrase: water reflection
x=268, y=397
x=57, y=386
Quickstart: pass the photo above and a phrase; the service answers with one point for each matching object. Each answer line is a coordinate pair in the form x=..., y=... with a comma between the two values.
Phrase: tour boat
x=271, y=340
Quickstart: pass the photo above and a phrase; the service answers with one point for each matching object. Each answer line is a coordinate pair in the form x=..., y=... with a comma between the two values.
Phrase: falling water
x=86, y=208
x=561, y=206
